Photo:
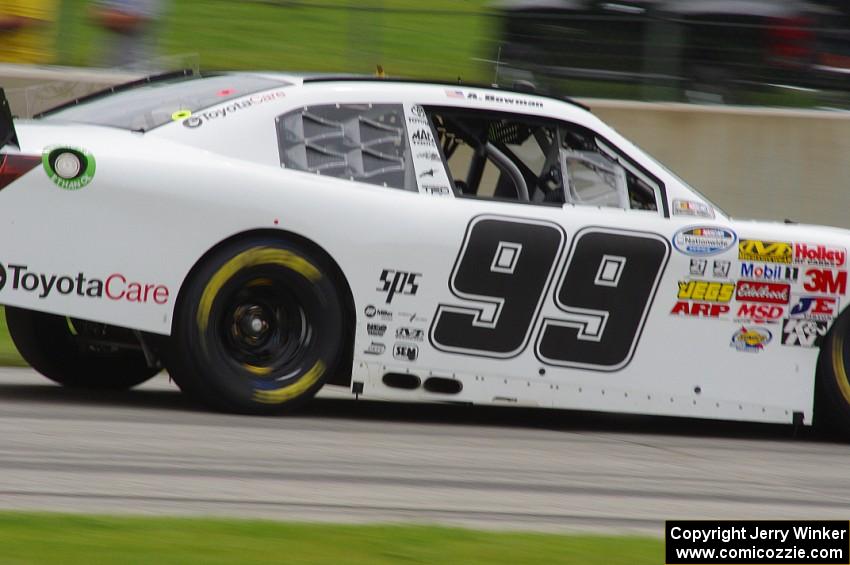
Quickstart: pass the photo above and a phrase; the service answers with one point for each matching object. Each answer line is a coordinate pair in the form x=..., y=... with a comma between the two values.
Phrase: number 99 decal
x=505, y=267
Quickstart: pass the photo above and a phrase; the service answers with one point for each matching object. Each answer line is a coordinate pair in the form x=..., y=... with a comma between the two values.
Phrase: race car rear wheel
x=258, y=328
x=833, y=383
x=77, y=353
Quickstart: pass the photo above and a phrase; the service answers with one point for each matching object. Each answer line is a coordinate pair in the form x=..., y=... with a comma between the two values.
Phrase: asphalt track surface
x=150, y=451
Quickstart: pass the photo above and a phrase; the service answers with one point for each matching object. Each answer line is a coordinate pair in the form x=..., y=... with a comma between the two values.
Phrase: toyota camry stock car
x=261, y=235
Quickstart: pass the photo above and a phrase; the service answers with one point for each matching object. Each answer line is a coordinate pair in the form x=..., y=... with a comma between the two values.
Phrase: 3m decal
x=703, y=240
x=707, y=291
x=803, y=333
x=692, y=208
x=398, y=282
x=70, y=168
x=699, y=310
x=760, y=313
x=820, y=255
x=505, y=268
x=822, y=308
x=405, y=351
x=751, y=339
x=755, y=291
x=114, y=287
x=769, y=272
x=765, y=251
x=827, y=282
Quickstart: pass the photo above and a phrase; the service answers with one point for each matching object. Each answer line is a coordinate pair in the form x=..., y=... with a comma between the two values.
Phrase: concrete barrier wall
x=752, y=162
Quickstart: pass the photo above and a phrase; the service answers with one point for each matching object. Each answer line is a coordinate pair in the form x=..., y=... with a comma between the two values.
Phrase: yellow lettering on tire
x=294, y=390
x=839, y=369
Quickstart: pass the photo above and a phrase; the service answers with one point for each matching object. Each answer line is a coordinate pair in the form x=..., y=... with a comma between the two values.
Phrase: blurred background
x=765, y=52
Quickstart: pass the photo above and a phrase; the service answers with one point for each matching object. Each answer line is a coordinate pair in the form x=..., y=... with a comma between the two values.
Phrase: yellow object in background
x=27, y=31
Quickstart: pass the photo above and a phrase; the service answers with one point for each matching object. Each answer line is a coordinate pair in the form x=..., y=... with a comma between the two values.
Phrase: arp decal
x=114, y=287
x=765, y=251
x=826, y=281
x=706, y=291
x=398, y=282
x=602, y=308
x=704, y=240
x=807, y=307
x=756, y=291
x=70, y=168
x=820, y=255
x=803, y=333
x=699, y=309
x=751, y=339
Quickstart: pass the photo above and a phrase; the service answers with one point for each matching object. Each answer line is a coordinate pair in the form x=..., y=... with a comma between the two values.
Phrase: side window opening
x=526, y=159
x=359, y=142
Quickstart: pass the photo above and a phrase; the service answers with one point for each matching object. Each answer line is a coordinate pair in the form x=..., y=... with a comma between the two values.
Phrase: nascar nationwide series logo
x=765, y=251
x=704, y=240
x=114, y=287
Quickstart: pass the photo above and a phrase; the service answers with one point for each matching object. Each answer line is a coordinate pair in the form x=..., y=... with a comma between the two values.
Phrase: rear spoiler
x=7, y=125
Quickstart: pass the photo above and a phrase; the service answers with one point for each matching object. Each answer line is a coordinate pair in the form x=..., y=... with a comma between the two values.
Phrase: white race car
x=260, y=235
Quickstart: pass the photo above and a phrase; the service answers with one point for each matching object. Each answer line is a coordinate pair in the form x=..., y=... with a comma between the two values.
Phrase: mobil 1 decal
x=504, y=270
x=605, y=292
x=431, y=177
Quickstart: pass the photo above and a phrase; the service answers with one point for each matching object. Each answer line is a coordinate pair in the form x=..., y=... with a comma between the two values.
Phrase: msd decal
x=114, y=287
x=820, y=255
x=760, y=313
x=772, y=293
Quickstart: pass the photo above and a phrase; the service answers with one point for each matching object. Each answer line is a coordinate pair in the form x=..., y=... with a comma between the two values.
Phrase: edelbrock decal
x=704, y=240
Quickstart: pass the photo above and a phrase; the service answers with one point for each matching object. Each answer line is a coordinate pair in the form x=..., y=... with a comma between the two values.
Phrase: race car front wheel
x=258, y=328
x=77, y=353
x=833, y=392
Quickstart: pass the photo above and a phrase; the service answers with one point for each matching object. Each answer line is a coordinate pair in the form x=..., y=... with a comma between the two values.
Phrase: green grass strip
x=8, y=354
x=61, y=538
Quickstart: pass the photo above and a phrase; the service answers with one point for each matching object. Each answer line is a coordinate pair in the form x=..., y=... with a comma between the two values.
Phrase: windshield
x=153, y=104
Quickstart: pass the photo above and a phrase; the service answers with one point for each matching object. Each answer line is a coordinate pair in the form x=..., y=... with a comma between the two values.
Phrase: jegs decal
x=504, y=269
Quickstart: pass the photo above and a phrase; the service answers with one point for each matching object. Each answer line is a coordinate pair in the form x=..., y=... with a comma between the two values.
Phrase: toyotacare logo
x=114, y=287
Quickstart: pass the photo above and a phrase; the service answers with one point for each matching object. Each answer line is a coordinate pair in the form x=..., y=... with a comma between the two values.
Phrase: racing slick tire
x=258, y=327
x=833, y=381
x=76, y=353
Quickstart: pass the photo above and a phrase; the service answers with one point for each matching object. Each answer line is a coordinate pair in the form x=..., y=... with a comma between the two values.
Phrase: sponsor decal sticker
x=196, y=120
x=699, y=310
x=70, y=168
x=703, y=240
x=410, y=334
x=721, y=269
x=114, y=287
x=398, y=282
x=761, y=313
x=692, y=208
x=765, y=251
x=803, y=333
x=755, y=291
x=769, y=272
x=375, y=348
x=698, y=267
x=371, y=311
x=751, y=339
x=808, y=307
x=377, y=330
x=405, y=351
x=820, y=255
x=707, y=291
x=825, y=281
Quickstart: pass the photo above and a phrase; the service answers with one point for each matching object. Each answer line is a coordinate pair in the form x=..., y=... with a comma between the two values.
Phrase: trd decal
x=505, y=268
